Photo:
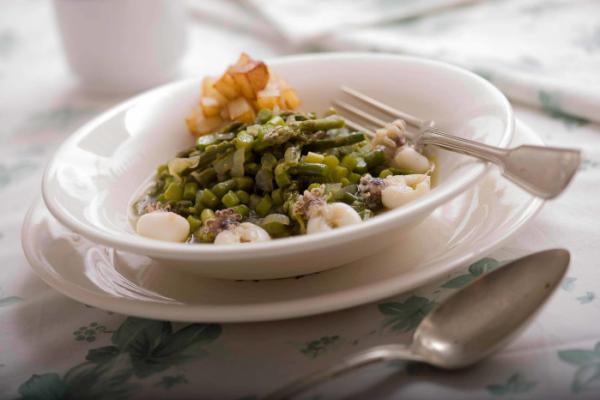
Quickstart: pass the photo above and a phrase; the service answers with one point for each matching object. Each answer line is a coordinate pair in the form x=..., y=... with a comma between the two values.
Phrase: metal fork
x=542, y=171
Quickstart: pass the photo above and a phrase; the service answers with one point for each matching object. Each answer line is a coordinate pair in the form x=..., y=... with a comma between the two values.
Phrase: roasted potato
x=227, y=86
x=210, y=106
x=238, y=94
x=241, y=110
x=269, y=96
x=208, y=90
x=198, y=124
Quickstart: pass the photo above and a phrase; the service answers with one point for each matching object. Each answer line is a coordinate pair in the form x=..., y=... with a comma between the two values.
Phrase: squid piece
x=245, y=232
x=402, y=189
x=331, y=216
x=163, y=225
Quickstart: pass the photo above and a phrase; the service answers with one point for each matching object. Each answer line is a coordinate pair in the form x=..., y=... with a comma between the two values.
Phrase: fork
x=542, y=171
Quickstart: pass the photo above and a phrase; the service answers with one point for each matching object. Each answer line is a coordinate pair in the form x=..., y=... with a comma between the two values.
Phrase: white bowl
x=88, y=185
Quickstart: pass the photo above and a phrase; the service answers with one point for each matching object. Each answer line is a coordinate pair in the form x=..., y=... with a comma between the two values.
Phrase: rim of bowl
x=183, y=251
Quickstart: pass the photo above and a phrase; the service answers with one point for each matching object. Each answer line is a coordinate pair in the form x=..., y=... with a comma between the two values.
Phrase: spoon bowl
x=485, y=315
x=470, y=325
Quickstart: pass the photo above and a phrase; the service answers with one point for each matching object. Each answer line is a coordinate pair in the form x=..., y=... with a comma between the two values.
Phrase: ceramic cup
x=122, y=46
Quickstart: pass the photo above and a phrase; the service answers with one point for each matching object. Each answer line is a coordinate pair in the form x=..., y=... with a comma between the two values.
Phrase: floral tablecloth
x=54, y=348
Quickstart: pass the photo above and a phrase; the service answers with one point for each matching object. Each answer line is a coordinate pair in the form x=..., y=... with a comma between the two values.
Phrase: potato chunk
x=257, y=73
x=251, y=75
x=292, y=101
x=227, y=86
x=241, y=110
x=244, y=89
x=244, y=85
x=269, y=96
x=210, y=106
x=208, y=90
x=199, y=124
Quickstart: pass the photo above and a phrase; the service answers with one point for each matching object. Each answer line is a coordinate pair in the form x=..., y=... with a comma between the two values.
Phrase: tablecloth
x=52, y=347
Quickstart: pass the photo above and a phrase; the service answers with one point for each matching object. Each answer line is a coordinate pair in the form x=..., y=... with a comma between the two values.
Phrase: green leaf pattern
x=514, y=385
x=587, y=362
x=550, y=103
x=88, y=333
x=315, y=348
x=477, y=269
x=43, y=387
x=404, y=316
x=568, y=283
x=10, y=300
x=586, y=298
x=13, y=171
x=140, y=348
x=6, y=301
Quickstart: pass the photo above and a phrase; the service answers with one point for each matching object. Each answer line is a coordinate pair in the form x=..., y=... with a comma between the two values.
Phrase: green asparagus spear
x=213, y=151
x=321, y=124
x=337, y=141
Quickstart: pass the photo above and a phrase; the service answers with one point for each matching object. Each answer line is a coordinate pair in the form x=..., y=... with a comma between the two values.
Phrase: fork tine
x=356, y=111
x=410, y=119
x=358, y=127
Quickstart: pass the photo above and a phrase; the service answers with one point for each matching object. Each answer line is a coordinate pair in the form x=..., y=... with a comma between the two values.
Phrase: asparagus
x=312, y=169
x=213, y=151
x=284, y=155
x=337, y=141
x=321, y=124
x=276, y=136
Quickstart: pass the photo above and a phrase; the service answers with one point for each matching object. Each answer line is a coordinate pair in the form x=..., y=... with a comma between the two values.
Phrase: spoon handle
x=354, y=361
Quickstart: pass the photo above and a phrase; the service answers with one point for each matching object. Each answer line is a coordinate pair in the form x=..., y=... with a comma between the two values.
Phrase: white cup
x=122, y=46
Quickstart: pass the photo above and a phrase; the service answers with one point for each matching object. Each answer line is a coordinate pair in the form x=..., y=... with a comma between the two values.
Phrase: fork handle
x=371, y=356
x=542, y=171
x=468, y=147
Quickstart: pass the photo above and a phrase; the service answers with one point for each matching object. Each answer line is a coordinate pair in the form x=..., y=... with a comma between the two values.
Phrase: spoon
x=469, y=325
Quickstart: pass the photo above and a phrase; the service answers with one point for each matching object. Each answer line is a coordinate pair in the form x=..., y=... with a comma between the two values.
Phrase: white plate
x=455, y=234
x=89, y=184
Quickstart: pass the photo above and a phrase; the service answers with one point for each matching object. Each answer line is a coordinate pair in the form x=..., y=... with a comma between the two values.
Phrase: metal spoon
x=469, y=325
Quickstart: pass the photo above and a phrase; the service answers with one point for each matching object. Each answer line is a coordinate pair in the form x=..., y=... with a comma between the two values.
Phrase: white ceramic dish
x=89, y=183
x=456, y=234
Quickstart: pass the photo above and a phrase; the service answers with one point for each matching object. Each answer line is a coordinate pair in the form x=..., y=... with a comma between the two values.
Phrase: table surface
x=52, y=347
